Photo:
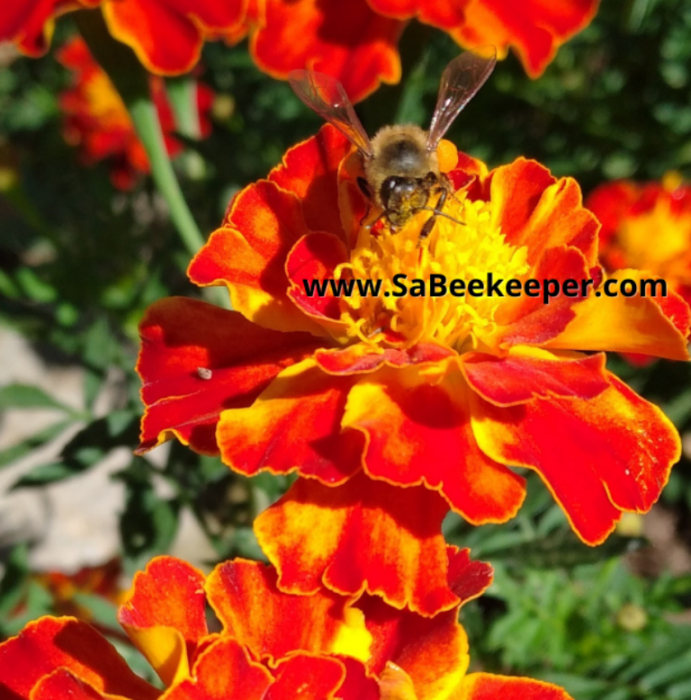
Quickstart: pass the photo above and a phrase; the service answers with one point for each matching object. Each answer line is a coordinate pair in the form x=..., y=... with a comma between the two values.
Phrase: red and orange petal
x=534, y=29
x=273, y=624
x=431, y=652
x=50, y=644
x=167, y=37
x=197, y=361
x=363, y=536
x=357, y=46
x=295, y=424
x=165, y=616
x=420, y=433
x=589, y=454
x=30, y=23
x=226, y=671
x=263, y=223
x=486, y=686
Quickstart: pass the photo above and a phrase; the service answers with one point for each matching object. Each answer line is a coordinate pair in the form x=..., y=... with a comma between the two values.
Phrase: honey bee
x=400, y=163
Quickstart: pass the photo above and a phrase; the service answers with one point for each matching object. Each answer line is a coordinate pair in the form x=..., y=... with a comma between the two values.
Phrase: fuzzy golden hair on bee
x=400, y=163
x=399, y=151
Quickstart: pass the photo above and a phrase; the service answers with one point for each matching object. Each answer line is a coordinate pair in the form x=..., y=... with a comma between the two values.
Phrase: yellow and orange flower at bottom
x=271, y=645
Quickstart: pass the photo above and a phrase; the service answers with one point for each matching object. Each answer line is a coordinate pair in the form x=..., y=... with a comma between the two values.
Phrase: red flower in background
x=646, y=226
x=365, y=395
x=97, y=121
x=167, y=37
x=356, y=42
x=272, y=645
x=533, y=28
x=103, y=580
x=358, y=46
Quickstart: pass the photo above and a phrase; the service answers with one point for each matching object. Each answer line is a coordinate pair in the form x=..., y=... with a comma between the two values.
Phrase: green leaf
x=103, y=611
x=16, y=452
x=14, y=579
x=85, y=449
x=677, y=669
x=578, y=686
x=44, y=474
x=680, y=691
x=28, y=396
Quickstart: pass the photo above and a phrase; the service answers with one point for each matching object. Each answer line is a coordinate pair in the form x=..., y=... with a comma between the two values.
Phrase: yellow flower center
x=465, y=245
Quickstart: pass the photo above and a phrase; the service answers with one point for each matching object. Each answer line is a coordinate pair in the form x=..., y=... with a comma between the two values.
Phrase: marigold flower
x=97, y=120
x=167, y=37
x=358, y=45
x=442, y=394
x=534, y=29
x=647, y=227
x=102, y=580
x=271, y=645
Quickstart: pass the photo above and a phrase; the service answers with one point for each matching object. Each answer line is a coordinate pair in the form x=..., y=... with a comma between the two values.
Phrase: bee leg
x=427, y=228
x=429, y=224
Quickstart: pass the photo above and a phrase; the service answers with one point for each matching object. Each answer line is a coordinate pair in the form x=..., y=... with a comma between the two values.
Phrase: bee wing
x=327, y=97
x=461, y=79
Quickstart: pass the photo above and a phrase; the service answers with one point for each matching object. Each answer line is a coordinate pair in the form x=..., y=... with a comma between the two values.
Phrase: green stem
x=182, y=94
x=145, y=118
x=131, y=81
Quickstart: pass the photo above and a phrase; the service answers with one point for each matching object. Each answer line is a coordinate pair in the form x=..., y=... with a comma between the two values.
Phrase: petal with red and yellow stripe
x=358, y=47
x=224, y=670
x=295, y=424
x=168, y=37
x=29, y=23
x=537, y=210
x=362, y=536
x=487, y=686
x=417, y=430
x=248, y=255
x=308, y=677
x=529, y=320
x=273, y=624
x=310, y=170
x=51, y=643
x=62, y=684
x=197, y=360
x=312, y=263
x=528, y=373
x=535, y=29
x=432, y=651
x=628, y=324
x=598, y=457
x=165, y=616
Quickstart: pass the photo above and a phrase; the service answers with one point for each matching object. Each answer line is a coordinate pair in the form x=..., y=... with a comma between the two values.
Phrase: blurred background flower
x=98, y=123
x=359, y=47
x=647, y=226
